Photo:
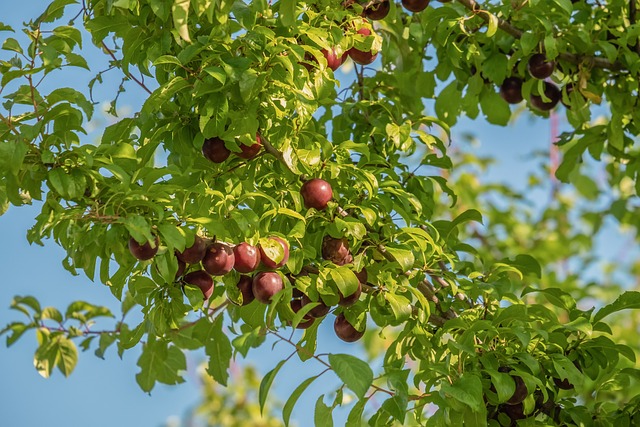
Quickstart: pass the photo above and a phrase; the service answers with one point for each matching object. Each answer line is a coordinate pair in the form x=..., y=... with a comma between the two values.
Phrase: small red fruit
x=265, y=285
x=181, y=267
x=144, y=251
x=202, y=280
x=270, y=263
x=336, y=250
x=319, y=310
x=194, y=253
x=215, y=150
x=511, y=90
x=247, y=258
x=334, y=61
x=552, y=92
x=377, y=11
x=307, y=320
x=245, y=284
x=539, y=67
x=415, y=5
x=250, y=151
x=345, y=330
x=351, y=299
x=219, y=259
x=316, y=193
x=361, y=57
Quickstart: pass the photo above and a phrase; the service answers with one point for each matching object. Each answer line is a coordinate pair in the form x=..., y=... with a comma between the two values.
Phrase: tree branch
x=129, y=75
x=517, y=33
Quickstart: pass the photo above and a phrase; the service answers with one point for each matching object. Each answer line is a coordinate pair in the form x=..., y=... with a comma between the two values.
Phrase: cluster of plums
x=215, y=258
x=514, y=409
x=539, y=68
x=373, y=12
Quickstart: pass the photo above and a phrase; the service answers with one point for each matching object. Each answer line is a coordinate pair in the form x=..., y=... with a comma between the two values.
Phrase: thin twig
x=129, y=75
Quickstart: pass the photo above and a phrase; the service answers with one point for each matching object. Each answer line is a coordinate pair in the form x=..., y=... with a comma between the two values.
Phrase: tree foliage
x=465, y=301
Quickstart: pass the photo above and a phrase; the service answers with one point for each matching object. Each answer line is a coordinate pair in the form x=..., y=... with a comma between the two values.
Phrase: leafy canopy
x=465, y=309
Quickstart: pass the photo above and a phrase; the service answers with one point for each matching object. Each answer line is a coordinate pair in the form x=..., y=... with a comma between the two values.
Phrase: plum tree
x=455, y=273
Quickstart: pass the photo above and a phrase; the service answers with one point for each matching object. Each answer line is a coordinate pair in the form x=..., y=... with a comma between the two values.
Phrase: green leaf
x=467, y=390
x=287, y=12
x=217, y=347
x=266, y=382
x=404, y=257
x=55, y=10
x=400, y=306
x=12, y=44
x=495, y=108
x=492, y=25
x=396, y=406
x=528, y=42
x=160, y=362
x=355, y=373
x=526, y=264
x=180, y=11
x=345, y=279
x=555, y=296
x=167, y=59
x=628, y=300
x=504, y=384
x=322, y=416
x=101, y=26
x=68, y=357
x=291, y=401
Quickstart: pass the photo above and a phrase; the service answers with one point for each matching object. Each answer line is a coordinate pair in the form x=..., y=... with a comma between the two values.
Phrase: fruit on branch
x=215, y=150
x=563, y=384
x=316, y=193
x=336, y=250
x=354, y=297
x=202, y=280
x=247, y=258
x=552, y=92
x=250, y=151
x=334, y=61
x=511, y=90
x=415, y=5
x=144, y=251
x=514, y=412
x=268, y=258
x=345, y=330
x=296, y=305
x=319, y=310
x=265, y=285
x=520, y=392
x=194, y=253
x=245, y=284
x=539, y=67
x=351, y=299
x=219, y=259
x=362, y=276
x=362, y=57
x=377, y=11
x=181, y=267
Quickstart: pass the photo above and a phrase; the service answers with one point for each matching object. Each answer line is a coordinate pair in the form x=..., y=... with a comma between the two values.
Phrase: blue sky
x=104, y=392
